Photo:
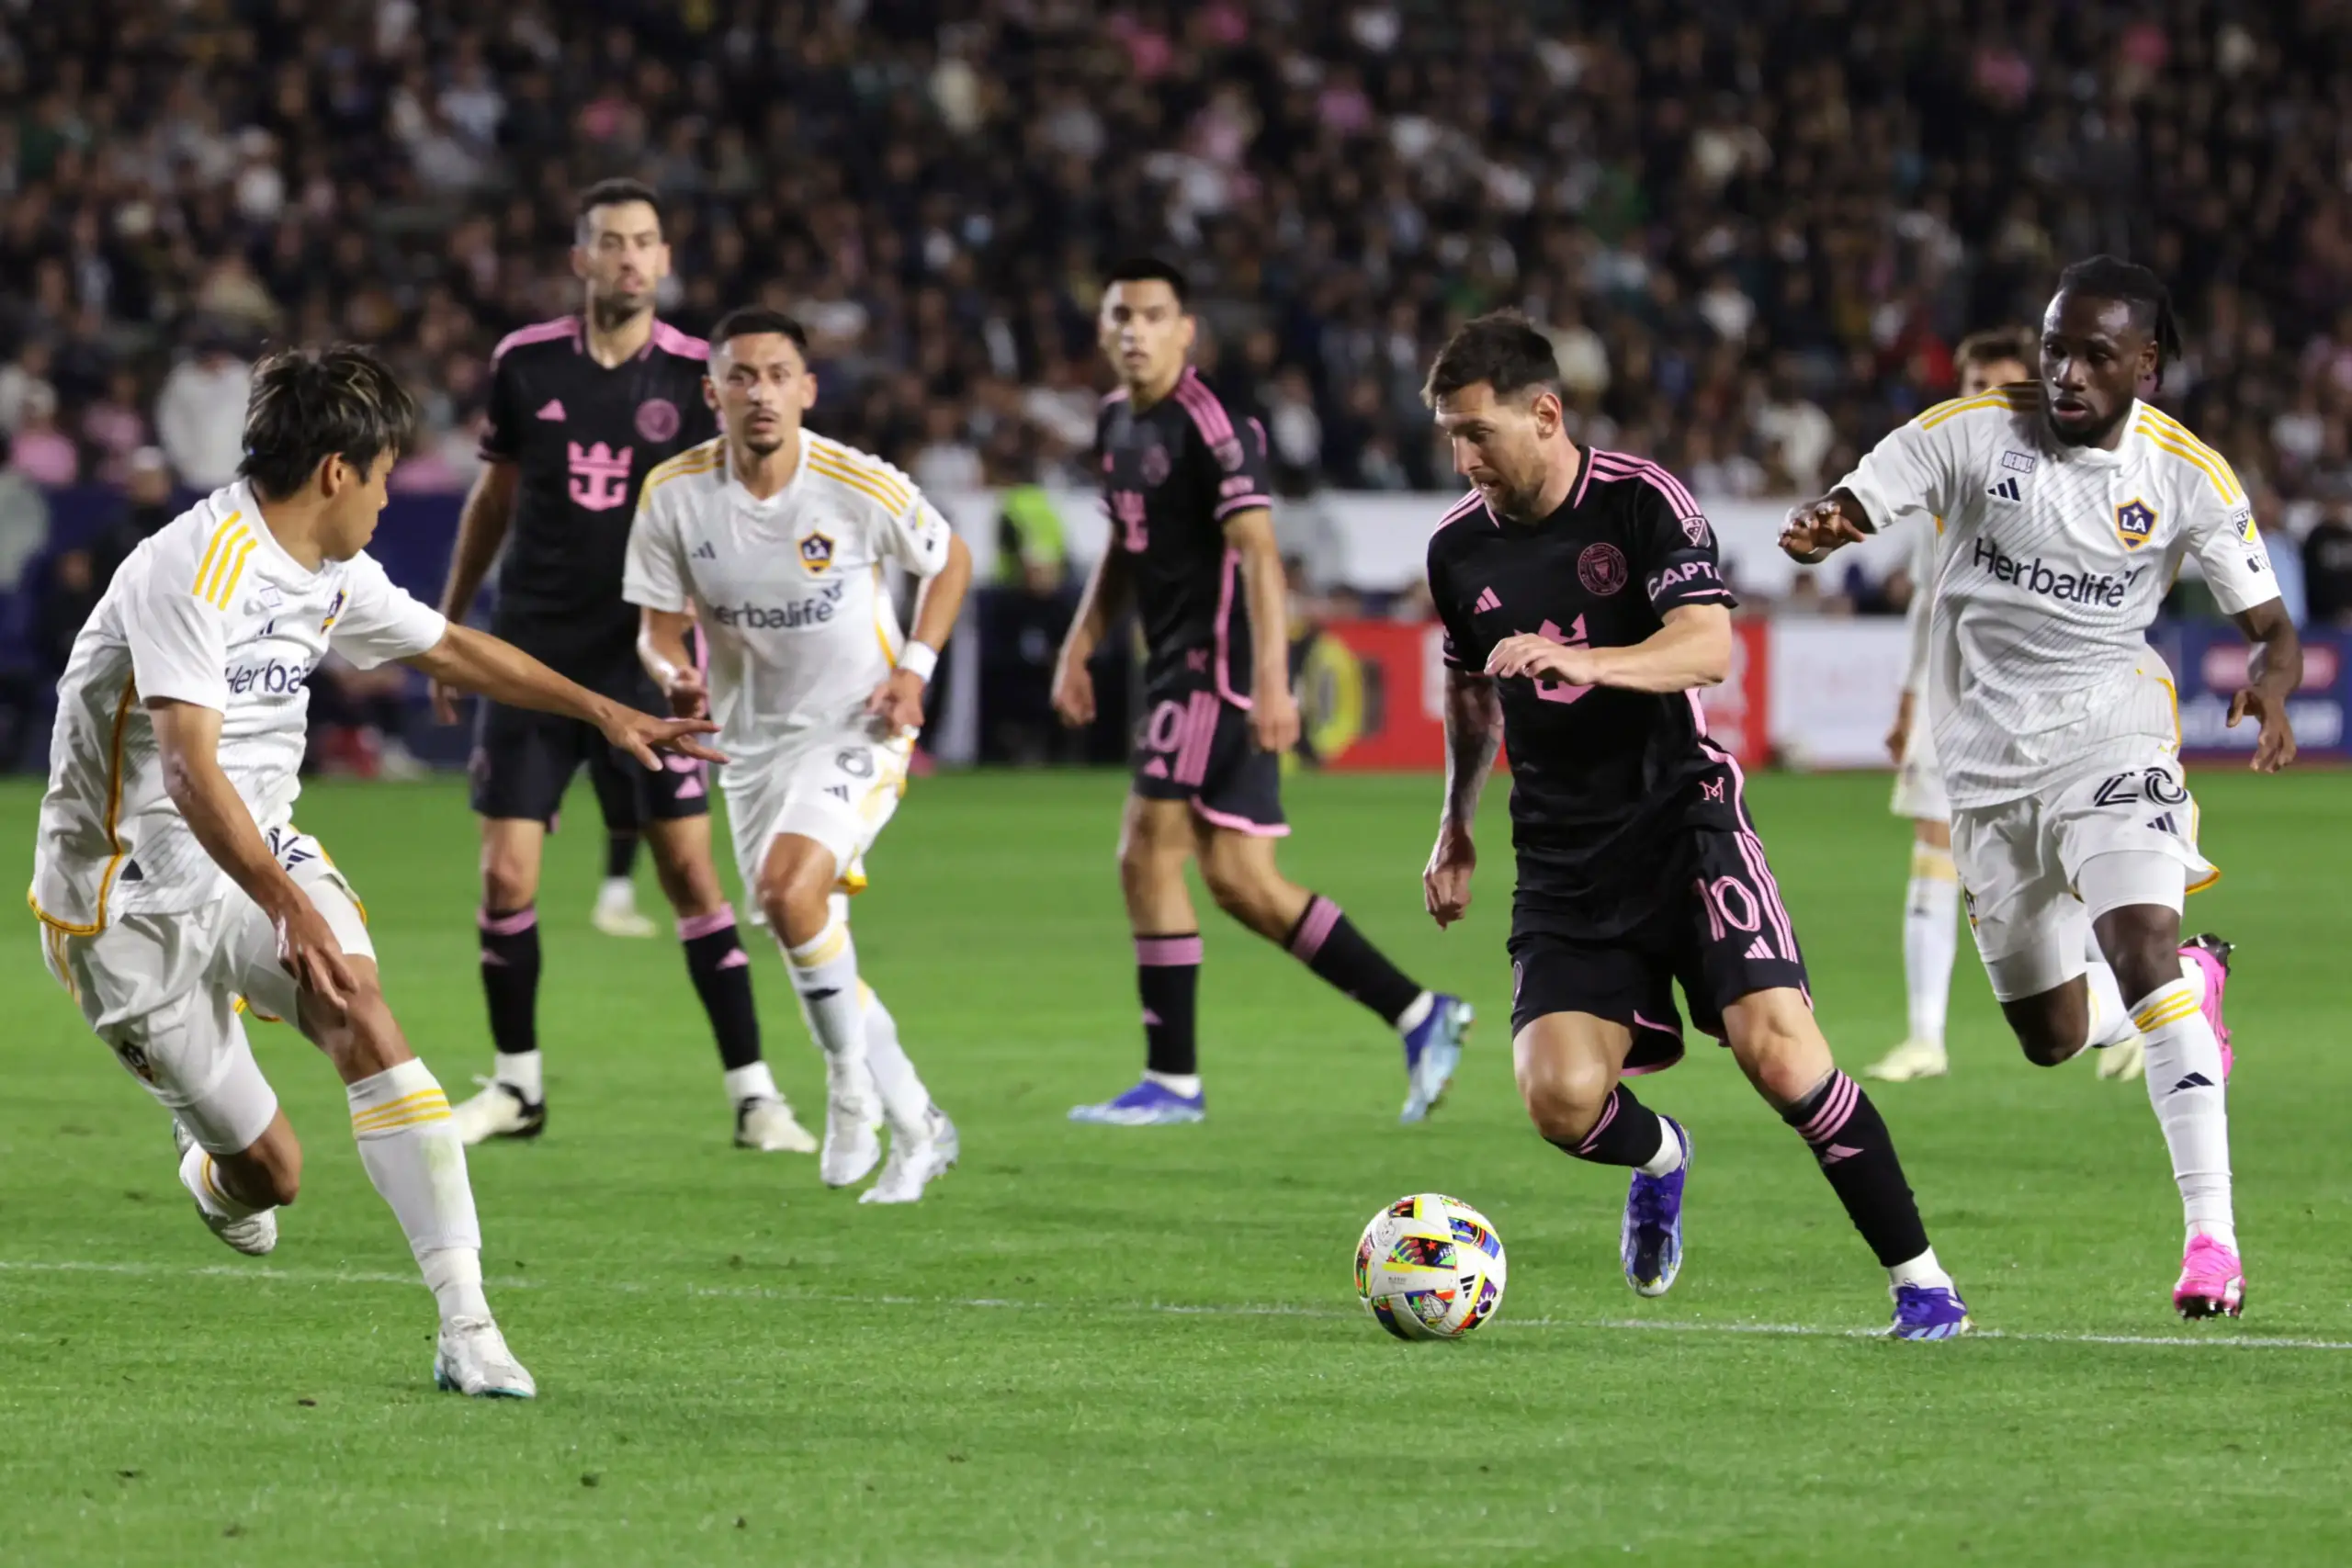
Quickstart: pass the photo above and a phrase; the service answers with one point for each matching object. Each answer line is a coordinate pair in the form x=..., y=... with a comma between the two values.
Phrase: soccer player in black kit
x=1583, y=609
x=1193, y=544
x=581, y=409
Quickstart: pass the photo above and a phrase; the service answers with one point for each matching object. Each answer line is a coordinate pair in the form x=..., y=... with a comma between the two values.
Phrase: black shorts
x=523, y=761
x=1195, y=746
x=1723, y=935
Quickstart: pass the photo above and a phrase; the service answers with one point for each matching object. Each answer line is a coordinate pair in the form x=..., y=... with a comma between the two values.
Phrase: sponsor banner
x=2209, y=664
x=1834, y=686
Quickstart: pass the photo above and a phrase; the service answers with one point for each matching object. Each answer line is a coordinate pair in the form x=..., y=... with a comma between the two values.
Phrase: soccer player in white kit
x=2067, y=507
x=779, y=541
x=174, y=891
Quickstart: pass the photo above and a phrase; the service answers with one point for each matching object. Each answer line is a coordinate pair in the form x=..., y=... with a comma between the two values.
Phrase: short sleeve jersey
x=791, y=591
x=212, y=612
x=2051, y=562
x=1172, y=476
x=583, y=438
x=1603, y=779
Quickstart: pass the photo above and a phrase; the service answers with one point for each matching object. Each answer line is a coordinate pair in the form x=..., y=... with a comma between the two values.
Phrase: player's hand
x=1540, y=658
x=308, y=950
x=898, y=702
x=1898, y=739
x=1445, y=884
x=1817, y=527
x=444, y=702
x=2275, y=748
x=1074, y=692
x=643, y=736
x=687, y=693
x=1274, y=720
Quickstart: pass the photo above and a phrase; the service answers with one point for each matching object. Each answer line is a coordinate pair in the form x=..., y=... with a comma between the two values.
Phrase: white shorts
x=2037, y=871
x=1919, y=781
x=840, y=791
x=165, y=993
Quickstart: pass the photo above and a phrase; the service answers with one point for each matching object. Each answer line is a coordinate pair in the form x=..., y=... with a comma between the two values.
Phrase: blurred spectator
x=2327, y=567
x=147, y=505
x=42, y=453
x=115, y=431
x=200, y=416
x=22, y=379
x=24, y=519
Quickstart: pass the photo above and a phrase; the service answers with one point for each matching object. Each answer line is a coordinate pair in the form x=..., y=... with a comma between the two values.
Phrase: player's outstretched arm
x=477, y=662
x=1692, y=649
x=1098, y=608
x=187, y=739
x=2273, y=670
x=898, y=701
x=1474, y=733
x=1274, y=712
x=1816, y=528
x=481, y=529
x=661, y=649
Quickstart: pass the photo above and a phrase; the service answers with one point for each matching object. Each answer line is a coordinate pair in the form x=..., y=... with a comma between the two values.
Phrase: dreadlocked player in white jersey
x=776, y=540
x=174, y=891
x=2066, y=508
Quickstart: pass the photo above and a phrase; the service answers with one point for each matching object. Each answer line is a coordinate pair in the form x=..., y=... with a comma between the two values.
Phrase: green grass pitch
x=1095, y=1346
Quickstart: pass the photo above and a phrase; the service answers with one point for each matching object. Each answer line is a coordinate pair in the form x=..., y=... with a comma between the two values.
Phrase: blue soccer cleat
x=1929, y=1312
x=1651, y=1241
x=1149, y=1104
x=1432, y=1050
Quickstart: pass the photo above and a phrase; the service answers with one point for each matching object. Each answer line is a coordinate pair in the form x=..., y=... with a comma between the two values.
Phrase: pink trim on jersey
x=670, y=339
x=1240, y=824
x=1591, y=459
x=1625, y=466
x=1167, y=952
x=1197, y=732
x=1208, y=414
x=693, y=927
x=1462, y=509
x=1241, y=504
x=538, y=332
x=1116, y=395
x=1231, y=574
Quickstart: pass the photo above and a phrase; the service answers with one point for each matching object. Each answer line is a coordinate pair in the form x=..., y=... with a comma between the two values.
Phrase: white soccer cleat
x=255, y=1236
x=472, y=1359
x=1911, y=1060
x=616, y=913
x=767, y=1124
x=498, y=1111
x=852, y=1126
x=916, y=1160
x=2126, y=1062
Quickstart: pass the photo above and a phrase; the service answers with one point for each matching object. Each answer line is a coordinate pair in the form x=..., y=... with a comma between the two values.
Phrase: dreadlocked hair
x=2111, y=277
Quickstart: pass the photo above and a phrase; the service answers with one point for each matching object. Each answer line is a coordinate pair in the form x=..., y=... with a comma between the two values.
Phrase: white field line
x=2220, y=1341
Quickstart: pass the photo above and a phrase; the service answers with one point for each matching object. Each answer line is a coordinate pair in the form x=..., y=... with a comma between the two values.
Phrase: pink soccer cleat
x=2212, y=954
x=2212, y=1282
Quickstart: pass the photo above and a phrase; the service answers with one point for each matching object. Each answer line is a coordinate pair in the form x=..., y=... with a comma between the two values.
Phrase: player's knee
x=1146, y=864
x=508, y=882
x=1564, y=1099
x=796, y=891
x=1240, y=890
x=2145, y=965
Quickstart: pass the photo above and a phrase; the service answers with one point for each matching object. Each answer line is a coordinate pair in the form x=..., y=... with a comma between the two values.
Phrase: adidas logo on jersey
x=1762, y=949
x=839, y=792
x=2194, y=1080
x=552, y=409
x=706, y=551
x=2007, y=490
x=1486, y=601
x=2165, y=824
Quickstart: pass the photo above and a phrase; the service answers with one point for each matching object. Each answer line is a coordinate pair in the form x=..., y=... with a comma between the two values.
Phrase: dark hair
x=1995, y=345
x=309, y=405
x=612, y=193
x=1503, y=349
x=750, y=319
x=1152, y=269
x=2111, y=277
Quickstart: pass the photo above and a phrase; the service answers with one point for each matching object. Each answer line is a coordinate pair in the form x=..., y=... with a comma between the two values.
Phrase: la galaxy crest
x=2135, y=522
x=817, y=551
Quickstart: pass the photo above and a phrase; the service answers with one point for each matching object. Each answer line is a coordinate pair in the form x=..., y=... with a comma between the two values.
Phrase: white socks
x=2185, y=1088
x=1186, y=1084
x=2110, y=1021
x=520, y=1072
x=1668, y=1158
x=825, y=971
x=752, y=1081
x=1930, y=938
x=905, y=1101
x=1922, y=1272
x=1415, y=1014
x=412, y=1154
x=202, y=1178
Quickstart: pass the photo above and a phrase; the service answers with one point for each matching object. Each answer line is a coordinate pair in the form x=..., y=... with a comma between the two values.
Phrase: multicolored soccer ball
x=1430, y=1267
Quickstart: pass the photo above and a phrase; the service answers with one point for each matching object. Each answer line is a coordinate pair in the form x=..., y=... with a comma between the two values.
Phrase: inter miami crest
x=817, y=551
x=2135, y=522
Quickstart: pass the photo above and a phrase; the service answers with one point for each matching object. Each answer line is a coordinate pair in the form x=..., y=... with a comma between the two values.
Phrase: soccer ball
x=1430, y=1267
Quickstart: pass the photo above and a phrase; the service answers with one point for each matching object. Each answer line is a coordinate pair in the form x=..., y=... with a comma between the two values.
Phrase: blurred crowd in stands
x=1752, y=229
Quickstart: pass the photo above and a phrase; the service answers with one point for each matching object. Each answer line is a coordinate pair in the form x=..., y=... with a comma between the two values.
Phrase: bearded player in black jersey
x=1193, y=544
x=581, y=409
x=1583, y=609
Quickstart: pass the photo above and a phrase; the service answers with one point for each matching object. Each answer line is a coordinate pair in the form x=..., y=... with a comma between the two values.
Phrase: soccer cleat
x=767, y=1124
x=1910, y=1061
x=472, y=1359
x=616, y=913
x=2212, y=954
x=2212, y=1280
x=499, y=1112
x=1432, y=1050
x=255, y=1236
x=1651, y=1240
x=1929, y=1312
x=1149, y=1104
x=916, y=1160
x=2125, y=1062
x=853, y=1126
